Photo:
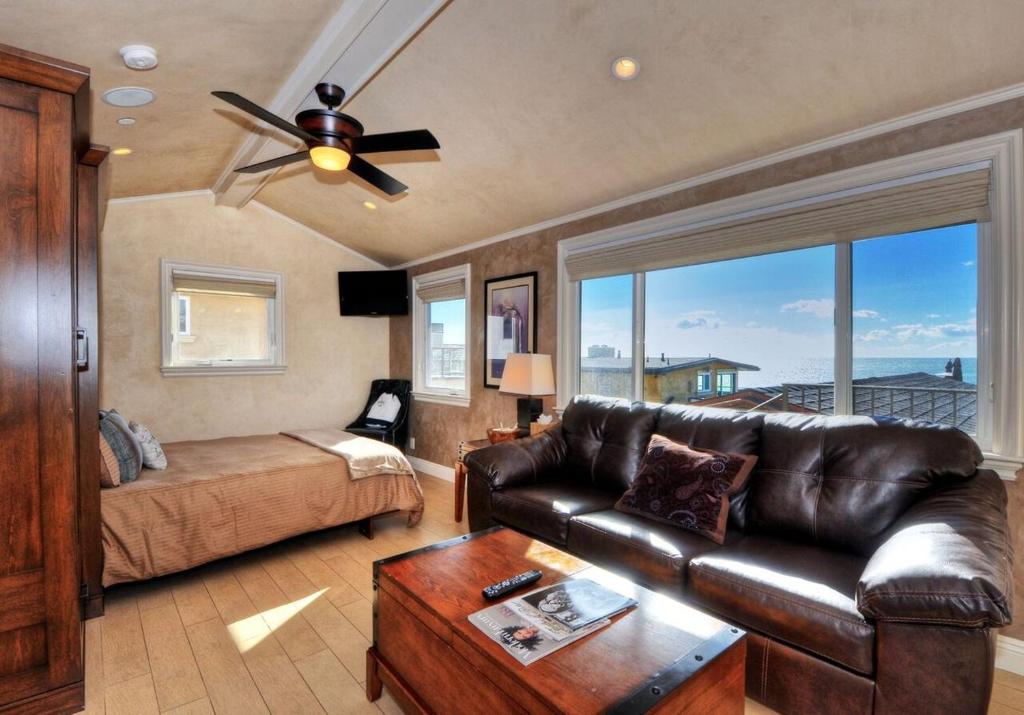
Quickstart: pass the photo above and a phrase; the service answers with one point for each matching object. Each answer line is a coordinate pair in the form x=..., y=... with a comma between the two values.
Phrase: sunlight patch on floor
x=247, y=633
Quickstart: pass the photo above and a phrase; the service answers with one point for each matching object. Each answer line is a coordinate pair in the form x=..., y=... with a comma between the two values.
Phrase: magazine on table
x=528, y=633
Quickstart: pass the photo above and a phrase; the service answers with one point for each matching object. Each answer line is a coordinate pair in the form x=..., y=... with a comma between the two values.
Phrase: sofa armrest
x=947, y=561
x=519, y=462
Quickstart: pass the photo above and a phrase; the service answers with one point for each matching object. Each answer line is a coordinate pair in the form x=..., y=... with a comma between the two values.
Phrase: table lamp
x=531, y=375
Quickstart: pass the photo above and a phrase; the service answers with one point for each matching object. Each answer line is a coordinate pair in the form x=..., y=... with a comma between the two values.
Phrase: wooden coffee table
x=660, y=656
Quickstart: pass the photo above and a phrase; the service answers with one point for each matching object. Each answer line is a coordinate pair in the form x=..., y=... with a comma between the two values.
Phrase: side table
x=465, y=447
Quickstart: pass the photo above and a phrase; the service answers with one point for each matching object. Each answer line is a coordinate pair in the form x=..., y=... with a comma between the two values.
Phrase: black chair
x=398, y=431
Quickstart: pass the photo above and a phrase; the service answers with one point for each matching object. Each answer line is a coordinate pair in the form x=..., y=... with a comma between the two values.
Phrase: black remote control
x=497, y=590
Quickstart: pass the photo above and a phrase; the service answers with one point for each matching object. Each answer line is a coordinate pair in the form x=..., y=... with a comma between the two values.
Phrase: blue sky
x=453, y=314
x=915, y=295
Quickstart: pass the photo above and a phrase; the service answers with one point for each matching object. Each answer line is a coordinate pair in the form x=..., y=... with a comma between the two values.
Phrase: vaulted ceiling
x=531, y=124
x=184, y=139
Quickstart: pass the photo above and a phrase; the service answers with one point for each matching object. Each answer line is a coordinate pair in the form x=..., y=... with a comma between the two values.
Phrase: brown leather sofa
x=869, y=559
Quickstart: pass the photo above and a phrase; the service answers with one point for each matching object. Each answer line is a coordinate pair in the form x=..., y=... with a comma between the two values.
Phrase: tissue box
x=537, y=428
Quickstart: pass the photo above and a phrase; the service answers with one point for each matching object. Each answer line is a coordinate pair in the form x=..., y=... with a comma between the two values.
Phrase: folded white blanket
x=366, y=457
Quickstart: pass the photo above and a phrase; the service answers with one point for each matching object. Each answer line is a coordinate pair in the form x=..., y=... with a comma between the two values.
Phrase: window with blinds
x=440, y=323
x=221, y=320
x=863, y=301
x=939, y=198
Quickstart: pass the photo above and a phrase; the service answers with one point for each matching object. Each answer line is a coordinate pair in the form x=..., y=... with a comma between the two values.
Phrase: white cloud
x=968, y=264
x=933, y=316
x=910, y=331
x=863, y=313
x=874, y=335
x=818, y=307
x=699, y=319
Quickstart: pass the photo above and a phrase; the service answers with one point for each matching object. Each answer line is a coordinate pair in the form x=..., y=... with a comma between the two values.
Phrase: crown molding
x=884, y=127
x=161, y=197
x=313, y=233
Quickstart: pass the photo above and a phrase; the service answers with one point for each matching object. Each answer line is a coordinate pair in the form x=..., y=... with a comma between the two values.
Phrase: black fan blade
x=395, y=141
x=370, y=173
x=259, y=112
x=273, y=163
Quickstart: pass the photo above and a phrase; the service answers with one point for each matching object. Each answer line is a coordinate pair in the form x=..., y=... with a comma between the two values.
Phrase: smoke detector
x=139, y=57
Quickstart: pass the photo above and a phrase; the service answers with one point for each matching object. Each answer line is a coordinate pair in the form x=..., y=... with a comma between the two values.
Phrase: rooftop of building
x=916, y=395
x=654, y=365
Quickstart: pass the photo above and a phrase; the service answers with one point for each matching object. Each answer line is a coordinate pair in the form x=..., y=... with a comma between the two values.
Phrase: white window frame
x=168, y=326
x=420, y=334
x=1000, y=275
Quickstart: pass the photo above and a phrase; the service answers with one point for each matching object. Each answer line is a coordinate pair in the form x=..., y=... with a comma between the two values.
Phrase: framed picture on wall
x=510, y=315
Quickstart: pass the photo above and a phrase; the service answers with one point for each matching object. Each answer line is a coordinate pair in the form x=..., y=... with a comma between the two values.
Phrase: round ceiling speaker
x=139, y=57
x=129, y=96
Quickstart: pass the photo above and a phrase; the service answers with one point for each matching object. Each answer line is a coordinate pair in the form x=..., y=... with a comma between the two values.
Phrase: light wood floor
x=280, y=630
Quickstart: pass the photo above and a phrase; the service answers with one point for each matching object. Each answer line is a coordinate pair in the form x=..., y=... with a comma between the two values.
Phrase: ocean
x=810, y=370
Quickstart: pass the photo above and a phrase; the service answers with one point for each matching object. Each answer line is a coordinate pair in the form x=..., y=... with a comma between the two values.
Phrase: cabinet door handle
x=82, y=349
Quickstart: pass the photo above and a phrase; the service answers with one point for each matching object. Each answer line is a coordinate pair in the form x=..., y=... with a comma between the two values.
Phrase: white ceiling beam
x=361, y=37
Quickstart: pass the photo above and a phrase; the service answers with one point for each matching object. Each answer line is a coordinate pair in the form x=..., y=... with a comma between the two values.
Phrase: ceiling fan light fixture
x=329, y=158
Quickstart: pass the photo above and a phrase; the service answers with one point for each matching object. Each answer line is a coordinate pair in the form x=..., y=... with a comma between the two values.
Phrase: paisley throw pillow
x=687, y=487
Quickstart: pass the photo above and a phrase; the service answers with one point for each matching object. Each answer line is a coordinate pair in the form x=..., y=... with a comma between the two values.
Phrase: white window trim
x=168, y=328
x=1000, y=273
x=420, y=390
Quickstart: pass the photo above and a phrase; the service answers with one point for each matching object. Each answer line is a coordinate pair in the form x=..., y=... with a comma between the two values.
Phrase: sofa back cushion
x=606, y=439
x=842, y=481
x=719, y=430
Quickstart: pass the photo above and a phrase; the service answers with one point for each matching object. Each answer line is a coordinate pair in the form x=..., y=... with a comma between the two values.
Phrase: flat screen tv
x=374, y=292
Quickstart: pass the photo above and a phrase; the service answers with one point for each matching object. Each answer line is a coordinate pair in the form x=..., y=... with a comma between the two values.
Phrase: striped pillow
x=122, y=442
x=110, y=474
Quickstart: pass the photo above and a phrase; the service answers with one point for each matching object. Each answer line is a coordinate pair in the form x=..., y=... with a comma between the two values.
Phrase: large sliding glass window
x=606, y=337
x=915, y=347
x=760, y=333
x=759, y=330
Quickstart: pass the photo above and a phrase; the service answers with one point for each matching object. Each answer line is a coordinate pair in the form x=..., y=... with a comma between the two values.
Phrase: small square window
x=224, y=320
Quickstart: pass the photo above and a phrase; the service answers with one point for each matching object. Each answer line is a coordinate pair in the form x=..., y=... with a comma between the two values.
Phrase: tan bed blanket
x=366, y=457
x=224, y=496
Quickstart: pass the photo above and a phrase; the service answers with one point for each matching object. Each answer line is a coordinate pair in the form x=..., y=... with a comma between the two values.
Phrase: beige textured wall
x=439, y=428
x=331, y=359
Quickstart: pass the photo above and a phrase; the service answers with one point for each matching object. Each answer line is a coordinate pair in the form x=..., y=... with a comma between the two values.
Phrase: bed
x=221, y=497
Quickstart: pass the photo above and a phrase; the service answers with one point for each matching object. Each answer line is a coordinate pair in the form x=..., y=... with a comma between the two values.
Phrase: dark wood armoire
x=49, y=495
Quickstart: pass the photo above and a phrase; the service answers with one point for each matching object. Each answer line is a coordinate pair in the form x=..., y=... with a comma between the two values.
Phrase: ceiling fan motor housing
x=331, y=127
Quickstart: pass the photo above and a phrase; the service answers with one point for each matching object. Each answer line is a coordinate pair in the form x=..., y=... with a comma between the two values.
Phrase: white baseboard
x=1010, y=654
x=433, y=469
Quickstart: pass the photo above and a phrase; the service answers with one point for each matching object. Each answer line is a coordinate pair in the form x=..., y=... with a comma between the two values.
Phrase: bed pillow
x=384, y=411
x=110, y=473
x=122, y=442
x=687, y=487
x=153, y=456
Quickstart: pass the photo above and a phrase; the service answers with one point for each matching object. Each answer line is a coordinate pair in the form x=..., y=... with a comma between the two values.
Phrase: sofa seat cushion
x=544, y=510
x=654, y=553
x=801, y=595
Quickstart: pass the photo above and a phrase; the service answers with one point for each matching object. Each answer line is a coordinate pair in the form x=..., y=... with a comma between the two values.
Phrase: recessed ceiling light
x=139, y=57
x=625, y=68
x=129, y=96
x=370, y=205
x=126, y=121
x=121, y=151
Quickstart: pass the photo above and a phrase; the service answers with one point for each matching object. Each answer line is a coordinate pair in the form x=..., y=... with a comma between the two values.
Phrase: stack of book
x=540, y=622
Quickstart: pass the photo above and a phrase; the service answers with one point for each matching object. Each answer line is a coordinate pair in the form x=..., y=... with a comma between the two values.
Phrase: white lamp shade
x=528, y=374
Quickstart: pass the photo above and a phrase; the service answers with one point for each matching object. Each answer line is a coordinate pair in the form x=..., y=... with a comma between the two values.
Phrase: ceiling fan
x=334, y=139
